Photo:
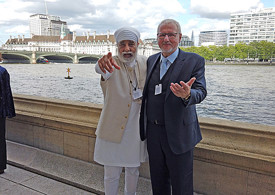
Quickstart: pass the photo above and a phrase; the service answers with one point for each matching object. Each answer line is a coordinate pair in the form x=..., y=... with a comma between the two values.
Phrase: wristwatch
x=186, y=98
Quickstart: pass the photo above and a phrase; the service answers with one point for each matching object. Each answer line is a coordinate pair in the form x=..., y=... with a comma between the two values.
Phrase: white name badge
x=137, y=94
x=158, y=89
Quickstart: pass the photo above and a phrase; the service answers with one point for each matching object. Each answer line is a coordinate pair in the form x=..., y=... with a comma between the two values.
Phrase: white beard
x=127, y=60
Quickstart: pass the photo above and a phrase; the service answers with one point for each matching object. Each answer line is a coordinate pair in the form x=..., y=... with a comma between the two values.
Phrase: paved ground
x=16, y=181
x=32, y=171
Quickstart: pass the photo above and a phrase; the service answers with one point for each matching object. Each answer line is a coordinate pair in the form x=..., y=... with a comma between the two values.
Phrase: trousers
x=3, y=147
x=166, y=168
x=111, y=179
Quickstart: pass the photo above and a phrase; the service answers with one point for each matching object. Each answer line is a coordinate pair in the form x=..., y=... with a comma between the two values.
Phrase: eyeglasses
x=170, y=35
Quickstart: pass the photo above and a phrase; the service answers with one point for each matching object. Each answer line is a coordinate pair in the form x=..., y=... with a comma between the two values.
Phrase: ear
x=180, y=36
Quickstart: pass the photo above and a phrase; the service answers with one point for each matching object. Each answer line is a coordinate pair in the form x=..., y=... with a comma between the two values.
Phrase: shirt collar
x=172, y=57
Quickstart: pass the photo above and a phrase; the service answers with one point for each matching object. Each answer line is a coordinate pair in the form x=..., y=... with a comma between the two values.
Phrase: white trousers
x=111, y=179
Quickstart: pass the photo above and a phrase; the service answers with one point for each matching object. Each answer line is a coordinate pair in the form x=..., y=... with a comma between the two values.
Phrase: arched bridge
x=10, y=56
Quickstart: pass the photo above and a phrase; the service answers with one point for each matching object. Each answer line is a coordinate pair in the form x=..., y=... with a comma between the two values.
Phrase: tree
x=241, y=50
x=263, y=50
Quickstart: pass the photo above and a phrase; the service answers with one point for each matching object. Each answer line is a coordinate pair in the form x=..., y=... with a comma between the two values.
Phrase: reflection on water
x=241, y=93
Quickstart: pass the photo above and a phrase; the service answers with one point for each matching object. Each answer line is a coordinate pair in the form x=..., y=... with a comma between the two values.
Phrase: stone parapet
x=252, y=145
x=233, y=157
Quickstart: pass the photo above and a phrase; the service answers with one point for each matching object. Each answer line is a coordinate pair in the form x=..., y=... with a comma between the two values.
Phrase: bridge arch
x=11, y=57
x=14, y=56
x=87, y=59
x=56, y=58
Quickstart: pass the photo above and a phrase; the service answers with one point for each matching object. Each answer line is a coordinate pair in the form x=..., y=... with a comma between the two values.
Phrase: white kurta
x=131, y=151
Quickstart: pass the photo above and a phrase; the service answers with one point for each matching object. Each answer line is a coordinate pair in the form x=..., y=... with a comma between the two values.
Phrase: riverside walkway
x=26, y=176
x=17, y=181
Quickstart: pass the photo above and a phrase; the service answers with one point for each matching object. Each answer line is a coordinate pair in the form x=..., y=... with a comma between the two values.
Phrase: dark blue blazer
x=6, y=99
x=181, y=121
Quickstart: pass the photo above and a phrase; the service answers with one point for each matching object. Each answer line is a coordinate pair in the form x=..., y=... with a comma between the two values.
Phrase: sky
x=101, y=16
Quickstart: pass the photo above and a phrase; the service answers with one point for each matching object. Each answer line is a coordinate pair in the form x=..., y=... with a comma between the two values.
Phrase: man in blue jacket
x=6, y=110
x=175, y=83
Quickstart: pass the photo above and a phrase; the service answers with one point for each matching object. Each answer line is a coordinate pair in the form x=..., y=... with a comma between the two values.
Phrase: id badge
x=137, y=94
x=158, y=89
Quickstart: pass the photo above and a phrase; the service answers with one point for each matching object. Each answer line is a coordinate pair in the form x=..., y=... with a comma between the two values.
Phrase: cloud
x=12, y=10
x=112, y=14
x=222, y=9
x=108, y=15
x=20, y=28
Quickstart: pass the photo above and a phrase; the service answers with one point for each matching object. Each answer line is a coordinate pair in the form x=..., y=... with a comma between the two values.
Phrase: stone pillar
x=33, y=59
x=75, y=59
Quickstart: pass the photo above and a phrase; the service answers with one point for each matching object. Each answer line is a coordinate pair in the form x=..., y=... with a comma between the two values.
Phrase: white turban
x=127, y=33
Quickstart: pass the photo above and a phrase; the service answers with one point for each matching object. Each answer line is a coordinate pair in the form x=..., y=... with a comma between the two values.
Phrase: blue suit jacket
x=181, y=122
x=6, y=99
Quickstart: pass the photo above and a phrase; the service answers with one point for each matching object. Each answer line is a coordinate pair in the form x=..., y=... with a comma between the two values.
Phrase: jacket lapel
x=178, y=66
x=150, y=69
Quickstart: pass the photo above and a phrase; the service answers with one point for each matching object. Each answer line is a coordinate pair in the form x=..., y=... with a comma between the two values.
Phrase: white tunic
x=131, y=151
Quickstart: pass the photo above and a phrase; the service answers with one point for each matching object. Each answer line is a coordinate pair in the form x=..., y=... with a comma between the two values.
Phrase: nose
x=127, y=48
x=166, y=38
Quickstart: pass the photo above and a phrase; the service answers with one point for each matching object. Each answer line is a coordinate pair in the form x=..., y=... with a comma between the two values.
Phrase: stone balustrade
x=233, y=157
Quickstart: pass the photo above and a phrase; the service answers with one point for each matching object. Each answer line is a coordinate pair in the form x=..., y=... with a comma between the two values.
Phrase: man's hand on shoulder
x=106, y=63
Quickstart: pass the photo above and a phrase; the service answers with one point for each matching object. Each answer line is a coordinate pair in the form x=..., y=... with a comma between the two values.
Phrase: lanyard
x=129, y=77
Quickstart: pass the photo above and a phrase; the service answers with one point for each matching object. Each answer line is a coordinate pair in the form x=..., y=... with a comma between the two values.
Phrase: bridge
x=33, y=57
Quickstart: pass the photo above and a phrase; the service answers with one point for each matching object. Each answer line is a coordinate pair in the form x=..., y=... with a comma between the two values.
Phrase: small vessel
x=68, y=77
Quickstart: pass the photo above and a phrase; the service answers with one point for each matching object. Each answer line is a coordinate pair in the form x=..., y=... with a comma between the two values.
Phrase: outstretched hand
x=183, y=89
x=106, y=63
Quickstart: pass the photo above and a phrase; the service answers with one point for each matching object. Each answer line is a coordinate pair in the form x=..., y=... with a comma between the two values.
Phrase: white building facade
x=50, y=34
x=216, y=37
x=46, y=25
x=256, y=25
x=95, y=44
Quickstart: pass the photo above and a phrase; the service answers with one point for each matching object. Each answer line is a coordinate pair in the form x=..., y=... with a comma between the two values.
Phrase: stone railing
x=233, y=158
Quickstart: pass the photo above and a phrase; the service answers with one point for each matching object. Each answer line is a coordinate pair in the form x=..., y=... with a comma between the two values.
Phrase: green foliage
x=262, y=50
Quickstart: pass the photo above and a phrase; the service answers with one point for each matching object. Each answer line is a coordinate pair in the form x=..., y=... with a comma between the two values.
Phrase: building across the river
x=255, y=25
x=71, y=43
x=47, y=25
x=216, y=37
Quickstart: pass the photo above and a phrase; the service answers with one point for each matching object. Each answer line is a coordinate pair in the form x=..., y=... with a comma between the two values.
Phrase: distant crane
x=46, y=7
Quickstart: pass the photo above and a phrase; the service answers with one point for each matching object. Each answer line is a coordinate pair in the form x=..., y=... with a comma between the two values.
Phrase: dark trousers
x=3, y=147
x=166, y=168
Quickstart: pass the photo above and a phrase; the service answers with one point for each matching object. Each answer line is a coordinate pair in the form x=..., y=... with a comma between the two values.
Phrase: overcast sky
x=103, y=15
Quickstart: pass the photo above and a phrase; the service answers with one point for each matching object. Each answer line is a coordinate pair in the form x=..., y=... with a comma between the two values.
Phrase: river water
x=235, y=92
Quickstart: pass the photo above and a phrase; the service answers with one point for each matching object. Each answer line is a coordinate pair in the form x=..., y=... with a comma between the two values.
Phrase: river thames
x=235, y=92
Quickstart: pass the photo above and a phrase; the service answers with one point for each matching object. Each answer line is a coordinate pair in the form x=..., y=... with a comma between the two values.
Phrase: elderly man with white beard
x=118, y=142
